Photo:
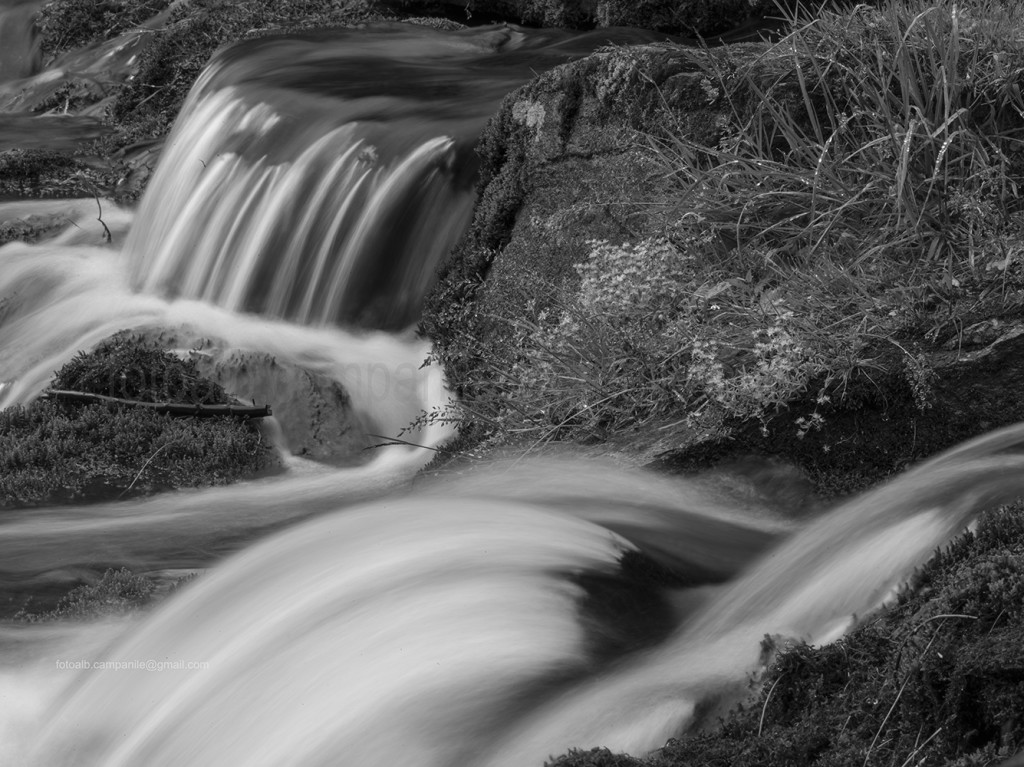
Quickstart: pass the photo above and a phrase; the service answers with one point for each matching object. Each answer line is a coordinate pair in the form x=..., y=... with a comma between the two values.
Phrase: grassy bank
x=859, y=209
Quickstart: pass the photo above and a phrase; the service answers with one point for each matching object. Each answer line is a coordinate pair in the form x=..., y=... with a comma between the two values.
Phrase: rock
x=686, y=17
x=560, y=167
x=888, y=423
x=314, y=412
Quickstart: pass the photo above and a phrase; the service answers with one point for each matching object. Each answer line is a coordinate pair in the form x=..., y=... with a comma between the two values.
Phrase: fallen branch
x=107, y=235
x=172, y=408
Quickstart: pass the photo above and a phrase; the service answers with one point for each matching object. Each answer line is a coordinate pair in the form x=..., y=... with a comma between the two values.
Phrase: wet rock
x=314, y=412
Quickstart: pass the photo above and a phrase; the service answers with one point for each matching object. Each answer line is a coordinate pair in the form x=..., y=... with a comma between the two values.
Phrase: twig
x=764, y=708
x=396, y=441
x=943, y=616
x=881, y=727
x=109, y=237
x=918, y=749
x=148, y=461
x=906, y=681
x=172, y=408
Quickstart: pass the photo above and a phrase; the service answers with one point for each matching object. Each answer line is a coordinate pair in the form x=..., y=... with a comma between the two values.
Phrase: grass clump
x=936, y=679
x=58, y=452
x=863, y=200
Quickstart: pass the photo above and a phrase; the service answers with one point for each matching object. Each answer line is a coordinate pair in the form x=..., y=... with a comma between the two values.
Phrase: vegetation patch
x=66, y=24
x=43, y=173
x=936, y=679
x=147, y=106
x=858, y=207
x=60, y=452
x=116, y=593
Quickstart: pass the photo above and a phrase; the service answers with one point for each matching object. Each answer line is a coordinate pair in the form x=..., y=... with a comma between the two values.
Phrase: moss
x=56, y=452
x=547, y=187
x=597, y=757
x=66, y=24
x=126, y=367
x=110, y=593
x=43, y=173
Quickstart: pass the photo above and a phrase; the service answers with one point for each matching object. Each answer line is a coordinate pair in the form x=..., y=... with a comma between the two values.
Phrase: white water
x=486, y=620
x=450, y=626
x=290, y=238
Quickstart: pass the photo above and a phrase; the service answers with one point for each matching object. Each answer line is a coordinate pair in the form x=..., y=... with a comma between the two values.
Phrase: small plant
x=116, y=593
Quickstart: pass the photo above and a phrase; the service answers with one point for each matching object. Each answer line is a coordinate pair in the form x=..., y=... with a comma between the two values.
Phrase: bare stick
x=148, y=461
x=172, y=408
x=108, y=236
x=767, y=698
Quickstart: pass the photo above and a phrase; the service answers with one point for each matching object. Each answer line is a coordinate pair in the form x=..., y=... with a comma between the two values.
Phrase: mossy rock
x=882, y=426
x=562, y=164
x=61, y=452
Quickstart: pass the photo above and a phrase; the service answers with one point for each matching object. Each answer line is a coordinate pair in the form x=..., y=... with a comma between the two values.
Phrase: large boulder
x=564, y=163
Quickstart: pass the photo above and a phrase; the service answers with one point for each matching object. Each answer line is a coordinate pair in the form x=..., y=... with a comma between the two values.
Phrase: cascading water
x=19, y=47
x=295, y=193
x=495, y=619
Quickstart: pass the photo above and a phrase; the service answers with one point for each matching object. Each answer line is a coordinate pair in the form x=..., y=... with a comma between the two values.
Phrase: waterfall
x=355, y=616
x=292, y=192
x=316, y=238
x=19, y=47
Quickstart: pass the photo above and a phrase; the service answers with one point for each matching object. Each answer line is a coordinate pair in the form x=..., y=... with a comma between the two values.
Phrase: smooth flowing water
x=349, y=616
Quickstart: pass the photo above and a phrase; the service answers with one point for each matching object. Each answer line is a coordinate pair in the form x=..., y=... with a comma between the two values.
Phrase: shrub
x=648, y=334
